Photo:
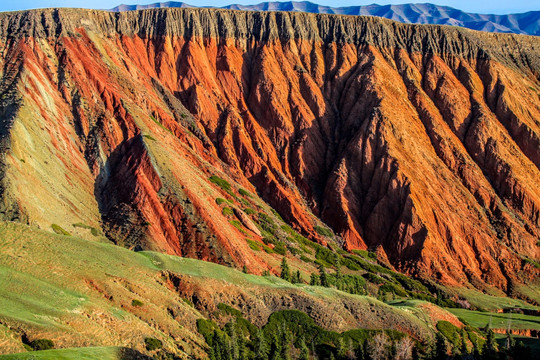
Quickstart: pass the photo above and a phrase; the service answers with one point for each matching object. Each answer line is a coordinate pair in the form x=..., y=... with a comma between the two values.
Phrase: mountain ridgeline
x=173, y=129
x=525, y=23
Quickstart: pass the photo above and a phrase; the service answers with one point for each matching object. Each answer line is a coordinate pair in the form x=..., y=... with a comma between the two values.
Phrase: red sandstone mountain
x=421, y=141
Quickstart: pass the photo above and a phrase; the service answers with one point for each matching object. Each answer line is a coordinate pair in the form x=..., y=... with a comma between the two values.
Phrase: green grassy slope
x=498, y=320
x=80, y=293
x=97, y=353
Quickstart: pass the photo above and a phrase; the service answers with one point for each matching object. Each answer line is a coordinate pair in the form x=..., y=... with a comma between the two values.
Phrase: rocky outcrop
x=421, y=141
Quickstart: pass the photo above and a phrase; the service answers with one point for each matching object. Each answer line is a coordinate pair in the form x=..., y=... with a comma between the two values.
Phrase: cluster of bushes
x=292, y=334
x=59, y=230
x=222, y=183
x=471, y=343
x=324, y=231
x=39, y=344
x=93, y=230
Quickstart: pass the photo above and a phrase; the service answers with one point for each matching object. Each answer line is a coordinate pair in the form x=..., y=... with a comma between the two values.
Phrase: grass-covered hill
x=96, y=300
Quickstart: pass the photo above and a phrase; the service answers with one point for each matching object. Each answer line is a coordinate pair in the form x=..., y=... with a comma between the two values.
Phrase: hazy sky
x=478, y=6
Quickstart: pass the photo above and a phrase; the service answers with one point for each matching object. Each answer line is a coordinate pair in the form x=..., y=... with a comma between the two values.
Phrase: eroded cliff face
x=423, y=141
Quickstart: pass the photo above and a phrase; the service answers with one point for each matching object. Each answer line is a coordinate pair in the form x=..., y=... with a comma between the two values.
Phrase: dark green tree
x=323, y=276
x=260, y=346
x=275, y=351
x=297, y=278
x=285, y=271
x=230, y=328
x=314, y=280
x=286, y=344
x=476, y=350
x=440, y=352
x=463, y=349
x=490, y=346
x=360, y=352
x=339, y=275
x=304, y=350
x=341, y=348
x=241, y=344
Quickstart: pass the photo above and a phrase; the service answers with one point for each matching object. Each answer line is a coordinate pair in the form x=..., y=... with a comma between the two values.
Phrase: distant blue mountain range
x=524, y=23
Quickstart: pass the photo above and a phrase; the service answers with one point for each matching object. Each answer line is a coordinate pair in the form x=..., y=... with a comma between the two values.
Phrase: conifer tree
x=297, y=278
x=261, y=346
x=490, y=347
x=360, y=352
x=314, y=280
x=341, y=348
x=339, y=275
x=476, y=350
x=304, y=351
x=285, y=271
x=323, y=276
x=276, y=347
x=440, y=350
x=286, y=345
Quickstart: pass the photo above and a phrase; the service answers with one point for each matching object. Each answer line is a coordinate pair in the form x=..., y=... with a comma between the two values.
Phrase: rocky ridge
x=422, y=141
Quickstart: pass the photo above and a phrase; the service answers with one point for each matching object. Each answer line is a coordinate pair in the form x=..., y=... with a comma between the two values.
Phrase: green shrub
x=136, y=303
x=324, y=231
x=149, y=137
x=41, y=344
x=250, y=211
x=58, y=229
x=305, y=259
x=220, y=201
x=323, y=263
x=267, y=224
x=237, y=224
x=229, y=310
x=93, y=230
x=326, y=255
x=254, y=245
x=152, y=343
x=227, y=211
x=287, y=229
x=206, y=328
x=372, y=278
x=450, y=331
x=280, y=248
x=244, y=192
x=532, y=262
x=224, y=184
x=189, y=302
x=410, y=284
x=276, y=214
x=473, y=335
x=393, y=288
x=351, y=265
x=293, y=250
x=362, y=253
